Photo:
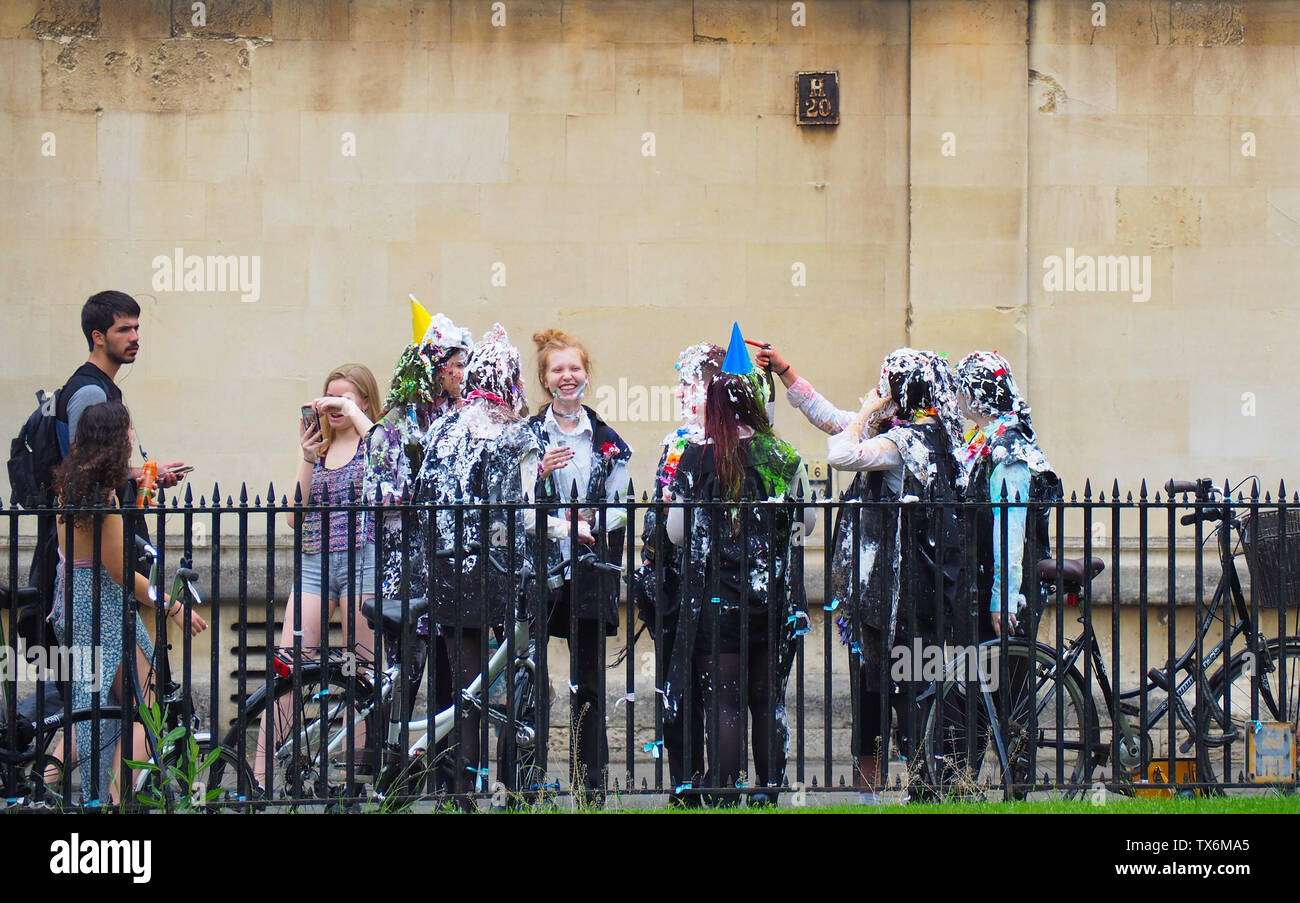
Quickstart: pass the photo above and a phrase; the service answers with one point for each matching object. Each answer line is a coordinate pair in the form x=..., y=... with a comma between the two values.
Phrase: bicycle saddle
x=1075, y=572
x=390, y=612
x=25, y=595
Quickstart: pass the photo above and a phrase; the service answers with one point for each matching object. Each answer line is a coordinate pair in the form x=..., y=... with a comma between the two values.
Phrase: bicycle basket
x=1271, y=577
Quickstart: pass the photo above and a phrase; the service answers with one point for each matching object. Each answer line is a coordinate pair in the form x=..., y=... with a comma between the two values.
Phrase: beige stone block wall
x=142, y=146
x=527, y=20
x=1088, y=69
x=20, y=63
x=1186, y=382
x=522, y=145
x=66, y=155
x=966, y=278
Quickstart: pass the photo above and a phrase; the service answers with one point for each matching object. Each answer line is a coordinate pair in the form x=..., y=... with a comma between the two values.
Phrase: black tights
x=768, y=740
x=683, y=767
x=870, y=708
x=468, y=646
x=588, y=747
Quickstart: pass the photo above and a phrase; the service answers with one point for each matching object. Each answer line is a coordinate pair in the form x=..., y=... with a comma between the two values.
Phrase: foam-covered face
x=692, y=387
x=963, y=404
x=987, y=382
x=566, y=377
x=494, y=368
x=691, y=397
x=451, y=375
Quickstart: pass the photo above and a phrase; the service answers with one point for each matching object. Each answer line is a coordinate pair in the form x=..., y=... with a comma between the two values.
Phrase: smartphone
x=310, y=418
x=181, y=471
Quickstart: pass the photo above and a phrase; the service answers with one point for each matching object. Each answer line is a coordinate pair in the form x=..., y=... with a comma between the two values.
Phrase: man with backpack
x=110, y=320
x=111, y=323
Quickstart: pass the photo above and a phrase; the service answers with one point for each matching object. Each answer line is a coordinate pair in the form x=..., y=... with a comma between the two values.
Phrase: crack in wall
x=1055, y=94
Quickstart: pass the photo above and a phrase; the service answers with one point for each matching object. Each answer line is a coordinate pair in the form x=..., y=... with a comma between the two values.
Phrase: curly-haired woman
x=95, y=600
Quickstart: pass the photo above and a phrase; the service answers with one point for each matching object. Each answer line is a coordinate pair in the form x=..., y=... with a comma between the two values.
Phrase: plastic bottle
x=148, y=483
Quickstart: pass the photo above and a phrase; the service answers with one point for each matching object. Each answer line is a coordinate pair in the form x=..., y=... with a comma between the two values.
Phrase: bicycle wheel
x=293, y=745
x=1053, y=747
x=1222, y=750
x=150, y=793
x=224, y=785
x=521, y=773
x=45, y=776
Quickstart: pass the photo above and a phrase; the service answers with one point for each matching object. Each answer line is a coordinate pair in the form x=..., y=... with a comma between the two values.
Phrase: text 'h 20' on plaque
x=817, y=98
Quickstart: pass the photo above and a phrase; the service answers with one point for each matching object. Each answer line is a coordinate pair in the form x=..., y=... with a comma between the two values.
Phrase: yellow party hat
x=420, y=320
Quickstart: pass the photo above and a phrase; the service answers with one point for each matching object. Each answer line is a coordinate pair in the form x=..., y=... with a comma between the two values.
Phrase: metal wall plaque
x=817, y=98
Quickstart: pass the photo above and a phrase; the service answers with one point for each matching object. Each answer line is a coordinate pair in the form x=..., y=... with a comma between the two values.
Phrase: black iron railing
x=741, y=666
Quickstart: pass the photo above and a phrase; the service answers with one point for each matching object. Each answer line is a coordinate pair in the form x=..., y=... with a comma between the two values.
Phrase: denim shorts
x=361, y=579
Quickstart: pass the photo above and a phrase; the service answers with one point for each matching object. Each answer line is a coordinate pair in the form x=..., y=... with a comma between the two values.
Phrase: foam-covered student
x=1002, y=451
x=741, y=597
x=905, y=443
x=478, y=459
x=426, y=386
x=658, y=583
x=582, y=453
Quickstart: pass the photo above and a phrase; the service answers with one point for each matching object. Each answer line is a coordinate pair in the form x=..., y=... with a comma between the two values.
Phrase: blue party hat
x=737, y=361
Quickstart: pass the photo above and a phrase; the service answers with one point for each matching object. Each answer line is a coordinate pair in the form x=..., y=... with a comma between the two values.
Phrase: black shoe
x=590, y=798
x=685, y=800
x=722, y=799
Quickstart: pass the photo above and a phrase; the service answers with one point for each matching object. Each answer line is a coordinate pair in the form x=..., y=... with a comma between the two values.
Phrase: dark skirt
x=559, y=615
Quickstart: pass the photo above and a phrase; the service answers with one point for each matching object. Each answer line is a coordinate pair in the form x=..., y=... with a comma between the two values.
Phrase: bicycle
x=978, y=734
x=27, y=767
x=306, y=709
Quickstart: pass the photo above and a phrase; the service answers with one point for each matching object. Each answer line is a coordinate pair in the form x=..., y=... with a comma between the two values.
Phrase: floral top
x=396, y=445
x=336, y=488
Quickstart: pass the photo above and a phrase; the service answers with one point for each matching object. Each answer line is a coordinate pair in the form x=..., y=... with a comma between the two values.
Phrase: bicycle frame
x=443, y=722
x=185, y=592
x=430, y=731
x=1131, y=758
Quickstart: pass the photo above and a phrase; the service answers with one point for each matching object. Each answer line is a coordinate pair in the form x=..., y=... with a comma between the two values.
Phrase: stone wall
x=977, y=140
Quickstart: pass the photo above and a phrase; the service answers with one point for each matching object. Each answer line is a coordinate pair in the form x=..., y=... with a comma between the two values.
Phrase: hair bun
x=551, y=336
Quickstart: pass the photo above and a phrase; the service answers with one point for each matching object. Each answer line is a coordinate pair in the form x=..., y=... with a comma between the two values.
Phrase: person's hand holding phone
x=171, y=474
x=309, y=433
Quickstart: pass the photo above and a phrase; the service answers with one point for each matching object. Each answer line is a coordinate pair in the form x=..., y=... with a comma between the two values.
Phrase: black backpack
x=34, y=453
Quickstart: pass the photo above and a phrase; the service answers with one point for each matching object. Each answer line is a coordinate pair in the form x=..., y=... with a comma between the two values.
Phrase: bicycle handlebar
x=1204, y=490
x=150, y=554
